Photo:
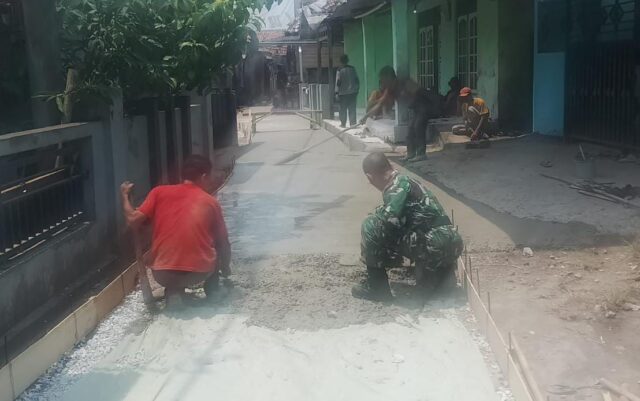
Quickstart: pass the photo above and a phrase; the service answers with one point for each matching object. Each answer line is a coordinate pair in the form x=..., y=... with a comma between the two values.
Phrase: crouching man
x=410, y=223
x=189, y=242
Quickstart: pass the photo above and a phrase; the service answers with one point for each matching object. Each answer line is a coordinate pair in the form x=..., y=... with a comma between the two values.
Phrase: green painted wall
x=487, y=11
x=446, y=41
x=378, y=52
x=447, y=50
x=413, y=45
x=379, y=47
x=488, y=54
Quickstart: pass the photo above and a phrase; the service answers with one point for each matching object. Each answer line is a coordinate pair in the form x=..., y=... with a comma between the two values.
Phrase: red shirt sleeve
x=220, y=233
x=148, y=207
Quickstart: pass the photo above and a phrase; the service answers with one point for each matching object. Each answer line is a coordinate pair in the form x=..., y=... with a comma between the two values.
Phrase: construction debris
x=604, y=191
x=618, y=390
x=627, y=306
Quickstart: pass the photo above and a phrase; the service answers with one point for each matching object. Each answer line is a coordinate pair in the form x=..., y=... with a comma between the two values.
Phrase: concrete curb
x=26, y=368
x=357, y=143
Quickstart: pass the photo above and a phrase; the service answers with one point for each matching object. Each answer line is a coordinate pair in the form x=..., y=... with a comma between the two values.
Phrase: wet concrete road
x=313, y=204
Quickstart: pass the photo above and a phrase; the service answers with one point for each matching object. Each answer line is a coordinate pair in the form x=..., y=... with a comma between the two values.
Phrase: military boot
x=375, y=287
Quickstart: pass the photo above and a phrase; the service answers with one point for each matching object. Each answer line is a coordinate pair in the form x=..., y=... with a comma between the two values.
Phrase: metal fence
x=315, y=97
x=38, y=208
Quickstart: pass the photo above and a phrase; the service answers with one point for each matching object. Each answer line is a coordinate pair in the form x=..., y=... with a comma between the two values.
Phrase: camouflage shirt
x=409, y=207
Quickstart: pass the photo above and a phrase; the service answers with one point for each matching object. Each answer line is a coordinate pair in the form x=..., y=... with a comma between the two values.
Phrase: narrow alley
x=287, y=311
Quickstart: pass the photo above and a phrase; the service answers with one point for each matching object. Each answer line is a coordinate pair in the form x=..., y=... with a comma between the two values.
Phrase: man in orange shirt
x=475, y=113
x=190, y=243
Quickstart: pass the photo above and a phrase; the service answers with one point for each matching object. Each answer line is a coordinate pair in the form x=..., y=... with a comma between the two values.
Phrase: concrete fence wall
x=30, y=284
x=38, y=282
x=146, y=149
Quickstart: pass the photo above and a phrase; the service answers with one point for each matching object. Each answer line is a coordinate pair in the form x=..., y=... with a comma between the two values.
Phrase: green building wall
x=488, y=54
x=379, y=47
x=378, y=52
x=487, y=13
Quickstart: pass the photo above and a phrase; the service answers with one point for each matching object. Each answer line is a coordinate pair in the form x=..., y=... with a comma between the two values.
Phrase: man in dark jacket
x=347, y=87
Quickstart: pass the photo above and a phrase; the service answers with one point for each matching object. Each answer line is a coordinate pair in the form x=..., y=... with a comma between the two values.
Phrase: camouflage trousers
x=433, y=250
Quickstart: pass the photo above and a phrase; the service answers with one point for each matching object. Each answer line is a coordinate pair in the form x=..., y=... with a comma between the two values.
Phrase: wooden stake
x=489, y=302
x=606, y=396
x=518, y=355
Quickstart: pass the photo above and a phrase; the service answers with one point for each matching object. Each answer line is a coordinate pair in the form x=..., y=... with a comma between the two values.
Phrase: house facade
x=567, y=68
x=587, y=70
x=487, y=44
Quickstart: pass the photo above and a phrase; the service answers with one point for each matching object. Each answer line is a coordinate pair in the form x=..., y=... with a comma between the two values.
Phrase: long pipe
x=373, y=10
x=300, y=58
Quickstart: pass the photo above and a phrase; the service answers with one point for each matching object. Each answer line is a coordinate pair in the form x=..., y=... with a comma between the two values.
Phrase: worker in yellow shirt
x=475, y=113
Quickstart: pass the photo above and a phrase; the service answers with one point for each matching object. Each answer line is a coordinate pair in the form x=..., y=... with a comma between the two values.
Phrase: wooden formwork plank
x=517, y=383
x=86, y=319
x=109, y=298
x=525, y=370
x=510, y=368
x=6, y=385
x=36, y=359
x=130, y=278
x=27, y=367
x=498, y=345
x=475, y=302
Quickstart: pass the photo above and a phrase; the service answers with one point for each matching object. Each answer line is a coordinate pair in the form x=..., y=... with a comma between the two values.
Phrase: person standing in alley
x=190, y=243
x=347, y=88
x=451, y=106
x=280, y=97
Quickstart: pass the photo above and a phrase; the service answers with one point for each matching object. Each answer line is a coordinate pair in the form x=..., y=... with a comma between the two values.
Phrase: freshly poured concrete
x=223, y=358
x=289, y=329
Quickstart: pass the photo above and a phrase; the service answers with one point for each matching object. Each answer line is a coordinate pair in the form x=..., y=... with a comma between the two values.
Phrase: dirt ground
x=576, y=311
x=574, y=304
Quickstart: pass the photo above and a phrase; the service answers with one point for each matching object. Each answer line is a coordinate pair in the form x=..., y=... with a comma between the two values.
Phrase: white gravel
x=82, y=359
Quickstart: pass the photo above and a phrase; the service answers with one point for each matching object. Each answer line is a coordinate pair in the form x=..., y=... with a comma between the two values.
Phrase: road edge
x=23, y=370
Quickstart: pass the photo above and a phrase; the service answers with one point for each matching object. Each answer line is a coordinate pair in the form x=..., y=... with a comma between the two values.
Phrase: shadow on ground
x=527, y=231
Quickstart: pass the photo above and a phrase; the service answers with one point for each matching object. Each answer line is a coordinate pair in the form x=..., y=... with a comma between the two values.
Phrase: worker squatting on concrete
x=190, y=243
x=476, y=115
x=410, y=223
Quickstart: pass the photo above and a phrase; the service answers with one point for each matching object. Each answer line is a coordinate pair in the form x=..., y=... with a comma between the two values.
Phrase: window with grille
x=427, y=58
x=467, y=50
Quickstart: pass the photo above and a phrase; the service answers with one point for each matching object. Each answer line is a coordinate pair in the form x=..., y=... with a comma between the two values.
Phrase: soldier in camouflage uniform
x=410, y=223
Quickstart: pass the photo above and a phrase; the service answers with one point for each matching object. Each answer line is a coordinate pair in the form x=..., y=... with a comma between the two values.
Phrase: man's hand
x=133, y=217
x=126, y=188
